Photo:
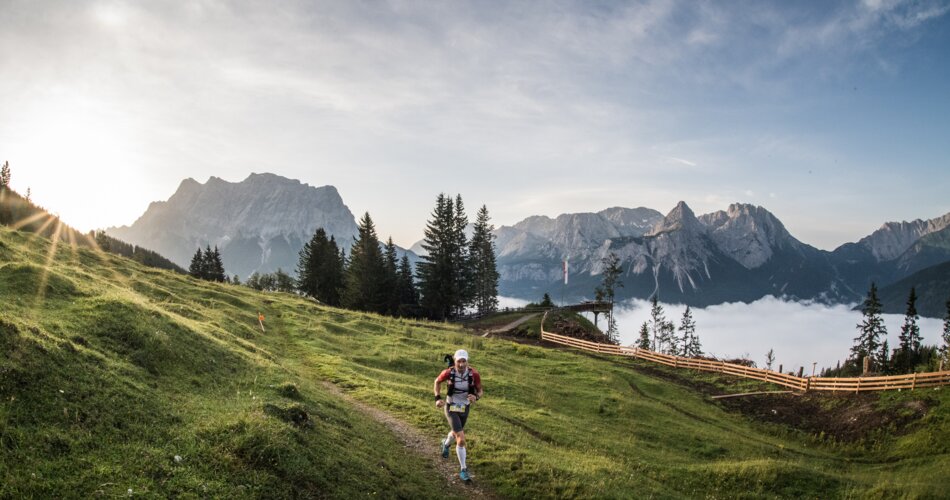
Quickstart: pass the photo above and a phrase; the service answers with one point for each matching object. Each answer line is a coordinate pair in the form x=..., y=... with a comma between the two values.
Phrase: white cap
x=461, y=354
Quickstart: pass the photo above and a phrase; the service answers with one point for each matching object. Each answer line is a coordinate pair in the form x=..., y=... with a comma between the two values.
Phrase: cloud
x=800, y=333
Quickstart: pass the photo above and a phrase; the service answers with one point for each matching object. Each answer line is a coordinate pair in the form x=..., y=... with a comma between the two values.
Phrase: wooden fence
x=851, y=384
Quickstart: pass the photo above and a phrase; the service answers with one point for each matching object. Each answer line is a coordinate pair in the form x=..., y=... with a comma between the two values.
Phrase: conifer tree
x=437, y=269
x=363, y=288
x=945, y=348
x=235, y=280
x=908, y=351
x=464, y=288
x=882, y=359
x=769, y=359
x=658, y=325
x=283, y=282
x=689, y=342
x=546, y=300
x=644, y=341
x=320, y=270
x=406, y=288
x=197, y=267
x=5, y=175
x=484, y=271
x=390, y=278
x=871, y=329
x=606, y=292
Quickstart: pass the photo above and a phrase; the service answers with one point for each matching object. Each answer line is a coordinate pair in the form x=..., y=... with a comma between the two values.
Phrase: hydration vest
x=471, y=381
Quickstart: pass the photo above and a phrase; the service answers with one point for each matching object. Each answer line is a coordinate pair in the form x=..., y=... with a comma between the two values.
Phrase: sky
x=834, y=115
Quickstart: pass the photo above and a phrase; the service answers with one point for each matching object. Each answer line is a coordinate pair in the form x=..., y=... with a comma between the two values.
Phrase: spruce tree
x=882, y=359
x=406, y=288
x=196, y=269
x=5, y=175
x=217, y=270
x=644, y=341
x=689, y=344
x=363, y=287
x=464, y=288
x=871, y=329
x=436, y=271
x=390, y=281
x=235, y=280
x=283, y=282
x=909, y=349
x=606, y=292
x=945, y=348
x=308, y=263
x=657, y=324
x=484, y=271
x=320, y=269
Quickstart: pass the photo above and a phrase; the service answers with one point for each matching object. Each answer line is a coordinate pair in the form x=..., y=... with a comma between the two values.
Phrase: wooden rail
x=849, y=384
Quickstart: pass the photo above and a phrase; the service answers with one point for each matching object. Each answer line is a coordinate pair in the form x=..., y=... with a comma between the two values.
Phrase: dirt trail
x=423, y=445
x=510, y=326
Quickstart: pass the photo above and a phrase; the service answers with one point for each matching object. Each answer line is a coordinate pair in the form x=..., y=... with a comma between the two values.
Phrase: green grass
x=111, y=369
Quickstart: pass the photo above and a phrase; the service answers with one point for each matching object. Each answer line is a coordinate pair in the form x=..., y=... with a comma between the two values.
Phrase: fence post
x=780, y=369
x=801, y=371
x=722, y=367
x=913, y=385
x=866, y=366
x=859, y=386
x=807, y=384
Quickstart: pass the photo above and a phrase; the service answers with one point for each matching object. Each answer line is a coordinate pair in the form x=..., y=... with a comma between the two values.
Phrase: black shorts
x=456, y=419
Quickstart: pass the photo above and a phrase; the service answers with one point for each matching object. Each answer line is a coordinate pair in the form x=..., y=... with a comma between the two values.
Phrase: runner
x=465, y=387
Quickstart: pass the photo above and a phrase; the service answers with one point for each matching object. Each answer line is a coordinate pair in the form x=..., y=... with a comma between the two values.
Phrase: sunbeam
x=44, y=275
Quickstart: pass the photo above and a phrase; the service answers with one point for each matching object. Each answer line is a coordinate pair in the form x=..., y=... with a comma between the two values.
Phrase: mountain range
x=739, y=254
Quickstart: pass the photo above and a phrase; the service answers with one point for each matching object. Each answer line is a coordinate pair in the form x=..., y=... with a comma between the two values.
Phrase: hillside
x=111, y=370
x=933, y=290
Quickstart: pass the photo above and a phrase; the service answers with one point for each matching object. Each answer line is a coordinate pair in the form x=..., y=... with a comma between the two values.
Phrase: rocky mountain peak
x=894, y=238
x=681, y=218
x=748, y=233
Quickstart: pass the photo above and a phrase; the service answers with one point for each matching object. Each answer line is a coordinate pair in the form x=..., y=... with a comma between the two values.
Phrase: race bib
x=457, y=408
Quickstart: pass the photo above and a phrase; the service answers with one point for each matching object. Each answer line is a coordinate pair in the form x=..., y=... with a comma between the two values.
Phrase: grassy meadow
x=115, y=377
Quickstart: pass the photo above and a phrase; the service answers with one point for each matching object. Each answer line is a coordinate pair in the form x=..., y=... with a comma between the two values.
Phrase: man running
x=465, y=387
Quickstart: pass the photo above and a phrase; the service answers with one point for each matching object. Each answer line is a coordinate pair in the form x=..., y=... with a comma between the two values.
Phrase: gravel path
x=422, y=445
x=510, y=326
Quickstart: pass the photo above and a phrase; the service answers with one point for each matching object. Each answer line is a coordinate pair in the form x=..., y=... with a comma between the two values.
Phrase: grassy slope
x=152, y=365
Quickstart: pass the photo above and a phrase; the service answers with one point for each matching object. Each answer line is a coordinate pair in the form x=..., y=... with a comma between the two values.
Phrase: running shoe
x=445, y=449
x=463, y=474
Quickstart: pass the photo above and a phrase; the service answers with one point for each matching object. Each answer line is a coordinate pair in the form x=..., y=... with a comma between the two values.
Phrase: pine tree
x=644, y=341
x=5, y=175
x=484, y=271
x=546, y=300
x=235, y=280
x=689, y=342
x=908, y=351
x=606, y=292
x=871, y=329
x=363, y=288
x=769, y=359
x=196, y=269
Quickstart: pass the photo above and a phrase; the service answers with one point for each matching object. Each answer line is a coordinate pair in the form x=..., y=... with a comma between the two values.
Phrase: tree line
x=456, y=274
x=871, y=347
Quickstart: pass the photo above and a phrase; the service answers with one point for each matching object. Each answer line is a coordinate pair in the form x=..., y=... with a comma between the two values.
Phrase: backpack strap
x=451, y=381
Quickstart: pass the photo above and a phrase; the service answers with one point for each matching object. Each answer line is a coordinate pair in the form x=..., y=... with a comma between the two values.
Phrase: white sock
x=448, y=439
x=460, y=450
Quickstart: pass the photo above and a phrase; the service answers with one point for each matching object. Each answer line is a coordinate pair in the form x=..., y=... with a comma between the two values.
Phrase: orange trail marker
x=260, y=319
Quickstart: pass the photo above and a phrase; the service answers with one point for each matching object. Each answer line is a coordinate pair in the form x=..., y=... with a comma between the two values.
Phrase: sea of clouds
x=800, y=333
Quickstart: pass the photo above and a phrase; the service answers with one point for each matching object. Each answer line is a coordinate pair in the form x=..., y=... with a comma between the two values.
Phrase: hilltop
x=111, y=370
